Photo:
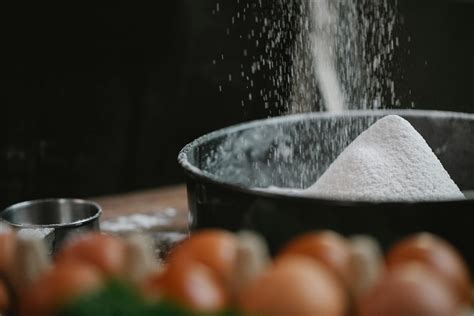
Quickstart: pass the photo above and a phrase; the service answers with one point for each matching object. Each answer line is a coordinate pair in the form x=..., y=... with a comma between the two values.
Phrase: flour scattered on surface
x=166, y=227
x=134, y=223
x=390, y=161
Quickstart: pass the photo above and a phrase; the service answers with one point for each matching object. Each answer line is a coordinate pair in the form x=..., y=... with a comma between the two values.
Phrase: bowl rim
x=206, y=177
x=77, y=223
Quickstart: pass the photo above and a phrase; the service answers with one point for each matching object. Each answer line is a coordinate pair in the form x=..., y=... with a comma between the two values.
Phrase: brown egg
x=295, y=285
x=328, y=247
x=4, y=298
x=7, y=247
x=105, y=252
x=59, y=286
x=214, y=248
x=436, y=254
x=410, y=290
x=190, y=284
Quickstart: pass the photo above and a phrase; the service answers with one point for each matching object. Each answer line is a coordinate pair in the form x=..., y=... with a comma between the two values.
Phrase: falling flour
x=390, y=161
x=304, y=56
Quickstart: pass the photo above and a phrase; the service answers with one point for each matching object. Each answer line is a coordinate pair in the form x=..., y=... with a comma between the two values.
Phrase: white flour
x=390, y=161
x=341, y=53
x=344, y=50
x=134, y=223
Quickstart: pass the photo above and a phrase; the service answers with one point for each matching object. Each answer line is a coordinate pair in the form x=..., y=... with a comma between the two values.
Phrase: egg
x=190, y=284
x=367, y=263
x=213, y=247
x=328, y=247
x=4, y=298
x=295, y=285
x=59, y=286
x=438, y=255
x=105, y=252
x=252, y=259
x=140, y=259
x=410, y=290
x=31, y=259
x=7, y=247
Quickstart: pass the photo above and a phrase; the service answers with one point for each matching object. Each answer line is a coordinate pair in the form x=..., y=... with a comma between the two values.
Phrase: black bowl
x=223, y=168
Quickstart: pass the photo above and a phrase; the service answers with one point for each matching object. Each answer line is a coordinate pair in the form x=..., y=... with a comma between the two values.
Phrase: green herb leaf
x=118, y=299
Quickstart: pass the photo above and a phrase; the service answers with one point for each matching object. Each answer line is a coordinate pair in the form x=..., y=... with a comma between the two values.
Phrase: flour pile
x=390, y=161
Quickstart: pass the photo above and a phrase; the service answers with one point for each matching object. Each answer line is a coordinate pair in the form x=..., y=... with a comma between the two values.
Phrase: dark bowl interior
x=224, y=167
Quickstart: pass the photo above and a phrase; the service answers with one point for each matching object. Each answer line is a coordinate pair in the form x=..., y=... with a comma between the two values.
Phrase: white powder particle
x=390, y=161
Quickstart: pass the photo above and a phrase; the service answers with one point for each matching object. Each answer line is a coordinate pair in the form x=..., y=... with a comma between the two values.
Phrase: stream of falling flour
x=350, y=46
x=322, y=37
x=342, y=53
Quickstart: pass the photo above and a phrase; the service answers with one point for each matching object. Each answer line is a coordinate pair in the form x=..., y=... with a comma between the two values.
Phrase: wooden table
x=155, y=201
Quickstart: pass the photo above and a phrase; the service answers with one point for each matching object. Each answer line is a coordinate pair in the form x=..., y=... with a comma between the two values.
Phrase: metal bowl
x=53, y=219
x=223, y=169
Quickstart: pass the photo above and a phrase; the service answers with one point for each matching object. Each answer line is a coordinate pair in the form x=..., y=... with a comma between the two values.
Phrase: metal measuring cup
x=54, y=220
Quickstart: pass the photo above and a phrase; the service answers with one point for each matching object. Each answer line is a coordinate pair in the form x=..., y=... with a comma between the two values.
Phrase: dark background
x=99, y=100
